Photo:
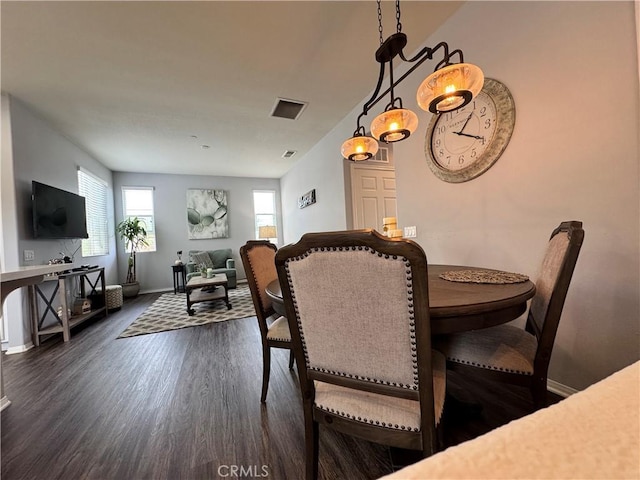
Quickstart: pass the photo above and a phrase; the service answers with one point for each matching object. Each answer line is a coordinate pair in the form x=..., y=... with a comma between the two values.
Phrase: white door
x=373, y=195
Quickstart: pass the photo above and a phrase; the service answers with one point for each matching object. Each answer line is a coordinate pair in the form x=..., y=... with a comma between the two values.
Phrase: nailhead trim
x=488, y=367
x=367, y=420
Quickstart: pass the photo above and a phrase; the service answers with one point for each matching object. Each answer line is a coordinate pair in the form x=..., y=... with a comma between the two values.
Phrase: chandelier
x=450, y=86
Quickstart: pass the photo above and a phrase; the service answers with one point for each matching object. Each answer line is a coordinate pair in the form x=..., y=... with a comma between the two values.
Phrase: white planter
x=130, y=290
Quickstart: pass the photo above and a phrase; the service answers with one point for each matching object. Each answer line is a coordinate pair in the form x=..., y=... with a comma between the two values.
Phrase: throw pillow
x=202, y=257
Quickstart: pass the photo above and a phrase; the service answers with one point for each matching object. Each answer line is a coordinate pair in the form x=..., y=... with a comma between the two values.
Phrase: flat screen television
x=57, y=213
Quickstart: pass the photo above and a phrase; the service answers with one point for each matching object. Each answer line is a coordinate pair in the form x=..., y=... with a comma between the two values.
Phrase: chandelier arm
x=425, y=51
x=371, y=102
x=446, y=60
x=375, y=99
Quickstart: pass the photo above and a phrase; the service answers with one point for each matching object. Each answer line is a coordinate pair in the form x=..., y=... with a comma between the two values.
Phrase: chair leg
x=539, y=393
x=311, y=440
x=290, y=359
x=266, y=368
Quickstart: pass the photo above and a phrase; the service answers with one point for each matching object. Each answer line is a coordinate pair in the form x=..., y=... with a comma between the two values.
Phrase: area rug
x=169, y=312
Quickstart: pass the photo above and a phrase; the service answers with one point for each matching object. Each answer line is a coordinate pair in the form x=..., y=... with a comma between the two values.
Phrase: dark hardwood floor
x=185, y=405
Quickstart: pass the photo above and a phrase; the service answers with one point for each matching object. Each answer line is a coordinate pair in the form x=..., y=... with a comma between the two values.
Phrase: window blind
x=94, y=190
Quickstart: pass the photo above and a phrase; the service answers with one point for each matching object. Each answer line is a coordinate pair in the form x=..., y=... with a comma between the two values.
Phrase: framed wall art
x=307, y=199
x=207, y=215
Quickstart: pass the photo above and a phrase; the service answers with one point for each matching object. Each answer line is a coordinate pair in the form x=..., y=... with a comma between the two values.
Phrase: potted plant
x=132, y=231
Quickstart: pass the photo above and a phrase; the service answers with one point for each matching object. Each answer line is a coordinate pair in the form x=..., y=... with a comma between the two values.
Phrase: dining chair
x=258, y=261
x=358, y=311
x=509, y=354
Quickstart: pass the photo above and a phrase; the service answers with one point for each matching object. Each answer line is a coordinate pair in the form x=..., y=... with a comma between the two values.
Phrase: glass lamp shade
x=450, y=87
x=359, y=148
x=394, y=125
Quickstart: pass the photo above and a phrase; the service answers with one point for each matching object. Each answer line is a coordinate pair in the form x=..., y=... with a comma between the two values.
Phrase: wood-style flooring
x=185, y=404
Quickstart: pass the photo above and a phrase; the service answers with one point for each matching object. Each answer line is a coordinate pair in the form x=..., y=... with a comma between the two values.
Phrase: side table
x=179, y=278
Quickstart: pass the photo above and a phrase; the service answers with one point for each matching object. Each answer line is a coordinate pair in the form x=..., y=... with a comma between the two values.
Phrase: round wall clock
x=464, y=143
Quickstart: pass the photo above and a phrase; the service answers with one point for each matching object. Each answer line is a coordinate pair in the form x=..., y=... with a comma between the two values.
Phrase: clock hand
x=465, y=124
x=467, y=135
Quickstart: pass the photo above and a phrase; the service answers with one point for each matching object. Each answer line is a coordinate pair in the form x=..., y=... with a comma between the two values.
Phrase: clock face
x=460, y=137
x=464, y=143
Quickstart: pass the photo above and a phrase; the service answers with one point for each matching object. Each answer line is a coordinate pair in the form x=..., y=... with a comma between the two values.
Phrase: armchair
x=221, y=261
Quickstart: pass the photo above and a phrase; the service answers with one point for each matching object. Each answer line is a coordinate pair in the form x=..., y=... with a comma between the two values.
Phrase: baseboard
x=19, y=349
x=4, y=403
x=560, y=389
x=156, y=290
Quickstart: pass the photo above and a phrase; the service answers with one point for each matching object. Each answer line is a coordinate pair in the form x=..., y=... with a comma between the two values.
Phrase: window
x=138, y=202
x=94, y=190
x=264, y=208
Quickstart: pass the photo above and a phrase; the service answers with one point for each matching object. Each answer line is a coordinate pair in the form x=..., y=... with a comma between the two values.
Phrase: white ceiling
x=132, y=83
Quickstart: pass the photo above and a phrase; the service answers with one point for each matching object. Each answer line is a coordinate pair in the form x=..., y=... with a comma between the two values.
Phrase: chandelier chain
x=380, y=21
x=398, y=24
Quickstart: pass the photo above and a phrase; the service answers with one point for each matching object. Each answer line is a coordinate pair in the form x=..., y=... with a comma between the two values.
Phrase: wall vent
x=290, y=109
x=289, y=153
x=381, y=156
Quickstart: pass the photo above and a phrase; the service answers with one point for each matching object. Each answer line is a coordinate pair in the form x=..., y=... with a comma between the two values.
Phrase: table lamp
x=267, y=231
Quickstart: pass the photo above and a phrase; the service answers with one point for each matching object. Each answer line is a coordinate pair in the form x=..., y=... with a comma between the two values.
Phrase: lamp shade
x=267, y=231
x=394, y=125
x=359, y=148
x=450, y=87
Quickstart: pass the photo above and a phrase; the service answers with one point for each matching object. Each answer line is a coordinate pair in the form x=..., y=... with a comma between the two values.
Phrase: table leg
x=226, y=296
x=190, y=310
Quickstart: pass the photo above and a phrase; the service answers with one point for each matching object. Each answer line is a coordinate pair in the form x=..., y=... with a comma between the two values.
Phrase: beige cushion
x=382, y=410
x=353, y=309
x=279, y=330
x=505, y=348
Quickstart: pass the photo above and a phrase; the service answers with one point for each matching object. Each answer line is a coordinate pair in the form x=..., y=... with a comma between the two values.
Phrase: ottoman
x=113, y=295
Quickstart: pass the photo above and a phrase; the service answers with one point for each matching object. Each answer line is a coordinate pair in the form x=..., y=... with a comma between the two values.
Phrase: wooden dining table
x=458, y=306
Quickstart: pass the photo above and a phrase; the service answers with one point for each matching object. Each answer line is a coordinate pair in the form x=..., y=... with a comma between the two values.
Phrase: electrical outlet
x=410, y=232
x=29, y=255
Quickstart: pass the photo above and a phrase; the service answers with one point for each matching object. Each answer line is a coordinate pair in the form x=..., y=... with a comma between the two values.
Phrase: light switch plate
x=410, y=232
x=29, y=255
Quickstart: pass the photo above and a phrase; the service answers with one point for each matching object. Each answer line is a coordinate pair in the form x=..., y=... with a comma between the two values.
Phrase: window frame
x=257, y=215
x=152, y=239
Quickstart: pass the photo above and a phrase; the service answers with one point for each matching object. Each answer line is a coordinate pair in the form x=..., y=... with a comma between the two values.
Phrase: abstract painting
x=207, y=214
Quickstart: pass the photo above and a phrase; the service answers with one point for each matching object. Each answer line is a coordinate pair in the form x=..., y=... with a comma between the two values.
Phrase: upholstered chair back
x=359, y=301
x=353, y=308
x=258, y=261
x=553, y=282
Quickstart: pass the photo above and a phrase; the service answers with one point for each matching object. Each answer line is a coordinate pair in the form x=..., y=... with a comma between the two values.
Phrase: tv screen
x=57, y=213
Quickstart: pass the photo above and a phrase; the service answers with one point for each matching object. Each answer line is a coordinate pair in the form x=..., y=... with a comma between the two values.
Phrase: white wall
x=573, y=155
x=321, y=169
x=12, y=308
x=40, y=153
x=170, y=202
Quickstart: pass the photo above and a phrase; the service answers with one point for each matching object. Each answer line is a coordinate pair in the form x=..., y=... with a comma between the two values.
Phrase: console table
x=65, y=321
x=10, y=281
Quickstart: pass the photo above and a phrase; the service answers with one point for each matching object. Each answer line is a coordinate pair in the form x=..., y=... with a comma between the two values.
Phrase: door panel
x=374, y=196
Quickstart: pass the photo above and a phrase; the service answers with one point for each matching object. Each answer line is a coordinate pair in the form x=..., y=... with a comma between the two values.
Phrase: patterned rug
x=169, y=312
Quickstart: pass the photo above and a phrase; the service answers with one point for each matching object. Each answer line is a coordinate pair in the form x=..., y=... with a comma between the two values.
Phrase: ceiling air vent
x=288, y=153
x=290, y=109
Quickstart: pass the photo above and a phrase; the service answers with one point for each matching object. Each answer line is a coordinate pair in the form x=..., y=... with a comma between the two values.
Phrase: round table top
x=457, y=306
